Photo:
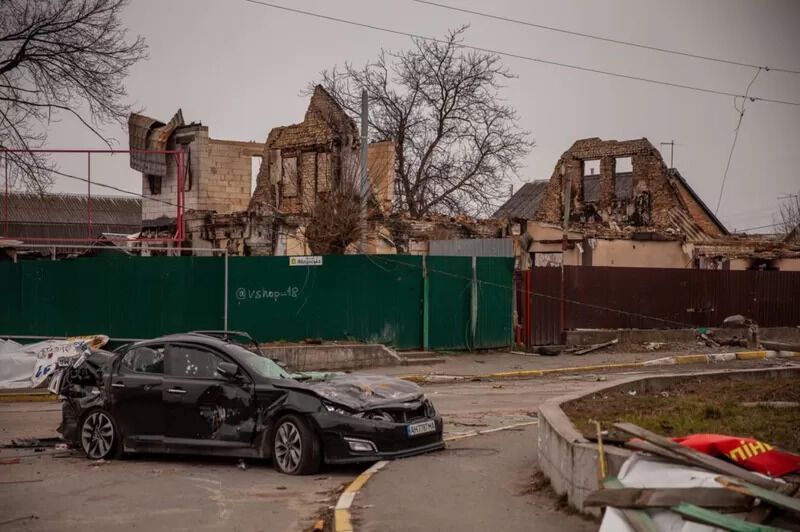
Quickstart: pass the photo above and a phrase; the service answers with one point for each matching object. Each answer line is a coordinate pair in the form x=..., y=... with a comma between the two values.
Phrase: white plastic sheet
x=28, y=366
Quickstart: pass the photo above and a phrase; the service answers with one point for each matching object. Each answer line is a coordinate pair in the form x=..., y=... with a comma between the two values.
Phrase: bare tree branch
x=457, y=143
x=56, y=57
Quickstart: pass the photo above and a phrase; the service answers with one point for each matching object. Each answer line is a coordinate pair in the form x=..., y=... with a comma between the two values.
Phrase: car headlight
x=336, y=409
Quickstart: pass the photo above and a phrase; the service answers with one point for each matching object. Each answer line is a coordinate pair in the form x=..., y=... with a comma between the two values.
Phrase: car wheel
x=99, y=435
x=295, y=446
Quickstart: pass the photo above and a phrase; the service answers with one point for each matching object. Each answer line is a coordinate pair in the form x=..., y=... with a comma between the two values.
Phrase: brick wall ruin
x=218, y=175
x=302, y=162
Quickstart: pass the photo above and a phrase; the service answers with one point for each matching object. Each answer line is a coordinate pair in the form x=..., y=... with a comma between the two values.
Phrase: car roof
x=195, y=338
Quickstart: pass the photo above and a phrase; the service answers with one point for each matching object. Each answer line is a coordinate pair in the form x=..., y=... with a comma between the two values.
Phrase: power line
x=605, y=39
x=519, y=56
x=735, y=138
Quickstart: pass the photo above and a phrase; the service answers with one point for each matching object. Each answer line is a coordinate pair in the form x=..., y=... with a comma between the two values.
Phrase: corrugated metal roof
x=472, y=247
x=70, y=209
x=525, y=202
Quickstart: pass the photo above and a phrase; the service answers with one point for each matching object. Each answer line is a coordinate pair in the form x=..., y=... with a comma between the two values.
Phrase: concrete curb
x=342, y=519
x=700, y=358
x=569, y=460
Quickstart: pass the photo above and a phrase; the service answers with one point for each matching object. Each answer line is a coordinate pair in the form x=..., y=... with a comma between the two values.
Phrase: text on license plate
x=421, y=428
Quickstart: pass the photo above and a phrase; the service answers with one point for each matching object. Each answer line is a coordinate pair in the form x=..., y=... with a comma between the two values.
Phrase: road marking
x=342, y=521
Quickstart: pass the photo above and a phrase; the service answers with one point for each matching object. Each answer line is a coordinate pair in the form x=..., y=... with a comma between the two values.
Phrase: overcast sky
x=239, y=69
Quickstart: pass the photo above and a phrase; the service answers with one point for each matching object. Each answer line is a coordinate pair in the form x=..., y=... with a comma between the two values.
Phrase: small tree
x=787, y=218
x=60, y=56
x=457, y=142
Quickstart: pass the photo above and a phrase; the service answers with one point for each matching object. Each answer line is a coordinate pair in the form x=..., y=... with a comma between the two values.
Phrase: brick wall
x=651, y=198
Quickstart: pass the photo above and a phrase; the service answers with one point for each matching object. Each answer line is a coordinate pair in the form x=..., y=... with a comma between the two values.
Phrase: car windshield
x=263, y=366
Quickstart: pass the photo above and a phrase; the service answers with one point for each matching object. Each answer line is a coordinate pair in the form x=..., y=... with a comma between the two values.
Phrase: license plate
x=421, y=428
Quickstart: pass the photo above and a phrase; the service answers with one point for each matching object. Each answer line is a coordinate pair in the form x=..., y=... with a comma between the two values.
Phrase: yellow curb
x=341, y=513
x=692, y=359
x=27, y=397
x=751, y=355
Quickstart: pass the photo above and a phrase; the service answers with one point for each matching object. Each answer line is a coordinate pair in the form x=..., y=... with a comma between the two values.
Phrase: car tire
x=99, y=436
x=295, y=447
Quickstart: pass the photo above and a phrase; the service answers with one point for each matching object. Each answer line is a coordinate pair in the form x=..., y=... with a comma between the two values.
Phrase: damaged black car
x=200, y=394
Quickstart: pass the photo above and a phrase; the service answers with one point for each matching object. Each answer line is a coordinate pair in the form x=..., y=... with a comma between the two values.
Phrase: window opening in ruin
x=255, y=167
x=623, y=178
x=154, y=182
x=591, y=180
x=289, y=177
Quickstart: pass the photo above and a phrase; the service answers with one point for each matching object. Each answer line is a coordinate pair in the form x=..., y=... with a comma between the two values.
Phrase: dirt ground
x=699, y=405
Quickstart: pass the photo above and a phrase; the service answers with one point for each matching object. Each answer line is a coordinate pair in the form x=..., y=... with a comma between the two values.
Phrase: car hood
x=364, y=392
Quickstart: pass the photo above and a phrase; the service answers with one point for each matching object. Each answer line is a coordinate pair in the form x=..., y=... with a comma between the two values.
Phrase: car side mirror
x=228, y=370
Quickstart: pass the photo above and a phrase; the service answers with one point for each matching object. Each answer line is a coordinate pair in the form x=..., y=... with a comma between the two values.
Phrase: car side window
x=193, y=362
x=148, y=359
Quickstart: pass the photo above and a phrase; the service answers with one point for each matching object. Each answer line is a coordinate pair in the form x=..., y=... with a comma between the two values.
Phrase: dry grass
x=699, y=405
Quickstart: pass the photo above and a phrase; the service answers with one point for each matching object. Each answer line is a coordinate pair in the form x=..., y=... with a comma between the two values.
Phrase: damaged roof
x=524, y=203
x=65, y=216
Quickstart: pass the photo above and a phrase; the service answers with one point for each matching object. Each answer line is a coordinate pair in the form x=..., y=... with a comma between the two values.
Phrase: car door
x=136, y=390
x=203, y=408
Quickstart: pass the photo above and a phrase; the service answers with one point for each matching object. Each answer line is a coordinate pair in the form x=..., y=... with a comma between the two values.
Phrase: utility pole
x=671, y=145
x=567, y=198
x=364, y=182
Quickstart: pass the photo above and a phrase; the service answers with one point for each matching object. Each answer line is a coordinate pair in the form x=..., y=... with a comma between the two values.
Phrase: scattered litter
x=321, y=478
x=319, y=526
x=61, y=447
x=497, y=386
x=664, y=394
x=280, y=487
x=631, y=392
x=242, y=465
x=479, y=361
x=9, y=461
x=596, y=347
x=98, y=463
x=653, y=346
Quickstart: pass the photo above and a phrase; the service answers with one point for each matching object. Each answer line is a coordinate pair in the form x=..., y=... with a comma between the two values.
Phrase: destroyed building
x=625, y=207
x=301, y=166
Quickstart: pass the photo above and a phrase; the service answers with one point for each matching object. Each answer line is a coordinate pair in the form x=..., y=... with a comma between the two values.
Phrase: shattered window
x=144, y=360
x=193, y=362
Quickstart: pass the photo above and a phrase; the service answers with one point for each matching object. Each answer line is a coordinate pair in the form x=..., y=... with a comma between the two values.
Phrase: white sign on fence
x=305, y=261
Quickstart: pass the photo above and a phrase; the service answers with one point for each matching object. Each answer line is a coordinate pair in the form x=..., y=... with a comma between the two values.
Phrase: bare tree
x=457, y=142
x=60, y=57
x=787, y=219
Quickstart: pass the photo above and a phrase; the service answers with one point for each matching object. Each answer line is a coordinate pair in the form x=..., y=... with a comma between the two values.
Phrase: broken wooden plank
x=595, y=347
x=641, y=445
x=639, y=520
x=772, y=497
x=728, y=522
x=667, y=497
x=697, y=458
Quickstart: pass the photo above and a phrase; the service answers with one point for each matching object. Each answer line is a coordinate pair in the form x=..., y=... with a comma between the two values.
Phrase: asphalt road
x=482, y=483
x=65, y=491
x=477, y=484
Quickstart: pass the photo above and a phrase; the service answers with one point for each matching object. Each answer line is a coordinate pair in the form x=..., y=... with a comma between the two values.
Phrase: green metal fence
x=408, y=302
